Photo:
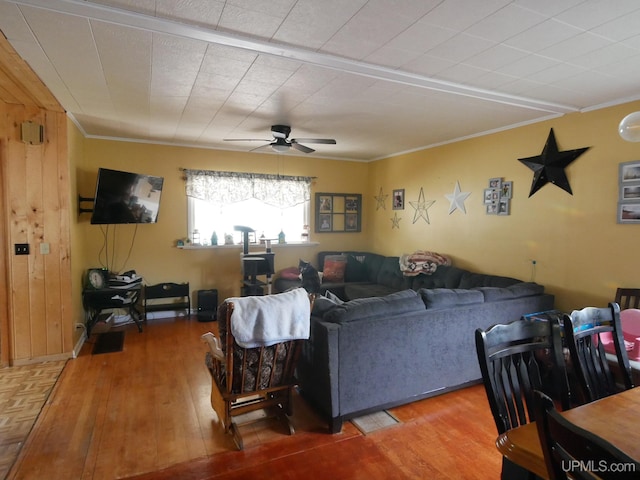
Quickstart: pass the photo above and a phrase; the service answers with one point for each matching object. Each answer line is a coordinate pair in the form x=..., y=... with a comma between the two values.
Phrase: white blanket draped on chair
x=266, y=320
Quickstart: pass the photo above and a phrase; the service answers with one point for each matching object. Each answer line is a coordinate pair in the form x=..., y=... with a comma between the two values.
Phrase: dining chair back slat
x=585, y=331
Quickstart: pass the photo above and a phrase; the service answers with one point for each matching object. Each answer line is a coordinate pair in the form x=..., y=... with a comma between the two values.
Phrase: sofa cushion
x=444, y=277
x=494, y=294
x=372, y=263
x=324, y=303
x=518, y=290
x=446, y=297
x=334, y=268
x=472, y=280
x=526, y=289
x=363, y=290
x=355, y=271
x=390, y=275
x=398, y=303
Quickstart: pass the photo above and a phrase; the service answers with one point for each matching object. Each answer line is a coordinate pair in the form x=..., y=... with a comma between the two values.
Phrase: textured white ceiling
x=378, y=76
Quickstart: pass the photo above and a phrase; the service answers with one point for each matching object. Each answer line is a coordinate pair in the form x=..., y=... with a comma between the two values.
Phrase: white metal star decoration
x=457, y=199
x=381, y=198
x=395, y=221
x=421, y=207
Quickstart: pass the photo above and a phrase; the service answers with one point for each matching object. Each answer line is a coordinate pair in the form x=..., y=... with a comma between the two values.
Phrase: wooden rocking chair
x=246, y=379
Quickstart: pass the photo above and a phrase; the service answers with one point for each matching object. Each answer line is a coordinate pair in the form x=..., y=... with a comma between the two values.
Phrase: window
x=269, y=204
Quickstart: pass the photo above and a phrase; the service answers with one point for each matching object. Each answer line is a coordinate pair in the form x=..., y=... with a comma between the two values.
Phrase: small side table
x=95, y=301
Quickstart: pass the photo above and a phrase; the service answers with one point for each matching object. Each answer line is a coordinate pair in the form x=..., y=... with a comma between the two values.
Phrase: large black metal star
x=550, y=164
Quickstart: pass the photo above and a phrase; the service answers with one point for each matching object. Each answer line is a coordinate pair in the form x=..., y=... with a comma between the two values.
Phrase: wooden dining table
x=615, y=418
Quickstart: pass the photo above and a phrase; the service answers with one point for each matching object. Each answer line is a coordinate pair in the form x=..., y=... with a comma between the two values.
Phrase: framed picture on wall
x=629, y=192
x=338, y=212
x=324, y=222
x=504, y=206
x=629, y=213
x=489, y=195
x=630, y=172
x=398, y=199
x=506, y=190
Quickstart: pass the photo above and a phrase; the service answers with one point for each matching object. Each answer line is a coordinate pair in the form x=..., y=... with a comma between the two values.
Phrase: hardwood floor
x=144, y=413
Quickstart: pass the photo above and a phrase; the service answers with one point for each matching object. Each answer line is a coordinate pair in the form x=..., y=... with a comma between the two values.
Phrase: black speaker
x=207, y=305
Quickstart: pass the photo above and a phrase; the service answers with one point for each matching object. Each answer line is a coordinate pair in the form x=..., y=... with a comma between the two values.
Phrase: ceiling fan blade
x=245, y=140
x=328, y=141
x=261, y=146
x=302, y=148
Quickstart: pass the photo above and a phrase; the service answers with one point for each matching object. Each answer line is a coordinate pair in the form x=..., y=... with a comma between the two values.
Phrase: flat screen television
x=125, y=197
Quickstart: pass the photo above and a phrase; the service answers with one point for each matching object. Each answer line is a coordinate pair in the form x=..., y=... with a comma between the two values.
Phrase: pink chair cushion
x=630, y=319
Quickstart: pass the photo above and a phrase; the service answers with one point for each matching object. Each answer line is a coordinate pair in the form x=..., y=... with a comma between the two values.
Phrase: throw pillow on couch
x=334, y=268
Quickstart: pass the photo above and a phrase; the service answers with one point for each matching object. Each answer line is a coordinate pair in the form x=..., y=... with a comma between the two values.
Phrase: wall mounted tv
x=124, y=197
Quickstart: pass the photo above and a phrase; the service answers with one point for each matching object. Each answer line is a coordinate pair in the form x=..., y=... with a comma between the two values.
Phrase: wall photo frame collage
x=338, y=212
x=497, y=197
x=629, y=192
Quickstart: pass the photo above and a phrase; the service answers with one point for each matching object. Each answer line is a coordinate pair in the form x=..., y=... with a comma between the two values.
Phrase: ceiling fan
x=281, y=141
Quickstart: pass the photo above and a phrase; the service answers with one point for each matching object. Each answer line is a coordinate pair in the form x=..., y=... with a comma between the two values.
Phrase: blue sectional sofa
x=408, y=338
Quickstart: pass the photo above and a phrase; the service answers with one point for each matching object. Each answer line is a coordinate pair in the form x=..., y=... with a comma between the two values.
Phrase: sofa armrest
x=317, y=368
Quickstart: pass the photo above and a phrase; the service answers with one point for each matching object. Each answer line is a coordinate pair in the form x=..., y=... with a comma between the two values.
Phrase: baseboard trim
x=44, y=358
x=79, y=344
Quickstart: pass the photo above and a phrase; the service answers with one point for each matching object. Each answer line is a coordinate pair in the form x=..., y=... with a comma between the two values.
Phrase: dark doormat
x=108, y=342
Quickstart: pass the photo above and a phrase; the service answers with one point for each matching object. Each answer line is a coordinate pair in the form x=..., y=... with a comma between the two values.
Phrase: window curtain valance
x=224, y=188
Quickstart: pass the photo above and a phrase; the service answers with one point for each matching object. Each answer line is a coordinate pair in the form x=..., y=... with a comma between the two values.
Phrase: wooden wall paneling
x=19, y=84
x=5, y=332
x=51, y=233
x=63, y=247
x=20, y=311
x=40, y=315
x=35, y=188
x=16, y=184
x=36, y=314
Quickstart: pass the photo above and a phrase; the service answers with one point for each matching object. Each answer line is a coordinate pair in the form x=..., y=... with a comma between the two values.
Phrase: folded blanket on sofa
x=266, y=320
x=412, y=264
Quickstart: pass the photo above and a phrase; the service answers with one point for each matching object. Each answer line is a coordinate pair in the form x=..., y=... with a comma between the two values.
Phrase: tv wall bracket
x=81, y=200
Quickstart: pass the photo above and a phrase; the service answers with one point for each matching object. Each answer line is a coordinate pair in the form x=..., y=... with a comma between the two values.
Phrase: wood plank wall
x=36, y=321
x=35, y=210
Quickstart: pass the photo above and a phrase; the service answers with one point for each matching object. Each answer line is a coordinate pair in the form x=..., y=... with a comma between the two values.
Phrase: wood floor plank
x=144, y=413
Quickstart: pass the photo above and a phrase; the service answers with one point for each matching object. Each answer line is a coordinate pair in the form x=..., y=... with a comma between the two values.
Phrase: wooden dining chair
x=516, y=359
x=583, y=330
x=572, y=452
x=628, y=298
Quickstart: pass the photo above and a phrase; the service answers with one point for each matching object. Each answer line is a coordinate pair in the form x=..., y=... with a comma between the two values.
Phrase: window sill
x=274, y=246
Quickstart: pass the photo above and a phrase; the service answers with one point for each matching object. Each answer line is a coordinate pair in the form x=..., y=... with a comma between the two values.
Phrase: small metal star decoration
x=421, y=207
x=395, y=221
x=550, y=164
x=381, y=198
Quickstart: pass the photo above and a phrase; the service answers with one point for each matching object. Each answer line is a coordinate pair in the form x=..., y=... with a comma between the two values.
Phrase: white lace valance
x=223, y=188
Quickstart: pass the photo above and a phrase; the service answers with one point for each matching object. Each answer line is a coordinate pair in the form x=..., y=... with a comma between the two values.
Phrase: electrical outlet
x=22, y=248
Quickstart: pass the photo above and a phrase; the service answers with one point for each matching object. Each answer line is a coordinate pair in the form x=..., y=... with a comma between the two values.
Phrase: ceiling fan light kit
x=281, y=142
x=629, y=128
x=279, y=147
